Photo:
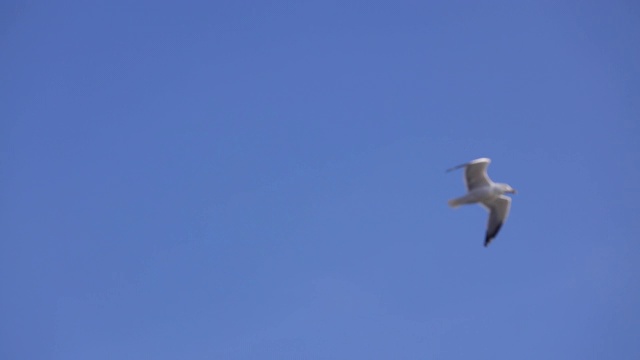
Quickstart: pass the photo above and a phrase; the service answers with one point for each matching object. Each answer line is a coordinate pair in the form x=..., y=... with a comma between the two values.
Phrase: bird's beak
x=513, y=191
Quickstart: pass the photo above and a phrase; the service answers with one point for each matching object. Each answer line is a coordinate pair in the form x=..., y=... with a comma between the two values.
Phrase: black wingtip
x=489, y=236
x=456, y=167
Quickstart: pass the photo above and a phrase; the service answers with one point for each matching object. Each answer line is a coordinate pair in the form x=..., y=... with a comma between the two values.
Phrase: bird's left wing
x=498, y=212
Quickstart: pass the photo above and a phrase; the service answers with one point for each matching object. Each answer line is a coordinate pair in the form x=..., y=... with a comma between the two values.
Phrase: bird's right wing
x=498, y=212
x=475, y=173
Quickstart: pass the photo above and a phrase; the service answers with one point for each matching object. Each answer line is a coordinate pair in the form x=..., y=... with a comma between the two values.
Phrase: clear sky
x=265, y=179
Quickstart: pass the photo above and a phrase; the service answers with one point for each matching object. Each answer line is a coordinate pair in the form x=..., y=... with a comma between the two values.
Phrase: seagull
x=485, y=192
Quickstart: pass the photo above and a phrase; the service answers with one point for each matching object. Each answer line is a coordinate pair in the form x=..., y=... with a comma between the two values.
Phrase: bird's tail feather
x=454, y=203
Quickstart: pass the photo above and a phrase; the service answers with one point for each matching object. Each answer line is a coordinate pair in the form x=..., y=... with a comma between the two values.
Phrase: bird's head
x=507, y=189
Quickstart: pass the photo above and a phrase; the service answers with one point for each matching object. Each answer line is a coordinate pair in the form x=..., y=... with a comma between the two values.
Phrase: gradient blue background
x=265, y=179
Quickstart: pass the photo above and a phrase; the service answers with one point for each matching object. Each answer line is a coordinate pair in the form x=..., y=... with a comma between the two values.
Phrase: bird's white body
x=485, y=192
x=482, y=194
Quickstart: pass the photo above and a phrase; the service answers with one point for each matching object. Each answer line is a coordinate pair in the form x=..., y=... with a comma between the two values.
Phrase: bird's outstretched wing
x=475, y=173
x=498, y=212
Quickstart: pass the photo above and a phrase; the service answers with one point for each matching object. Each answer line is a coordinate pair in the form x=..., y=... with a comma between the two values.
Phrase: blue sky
x=265, y=179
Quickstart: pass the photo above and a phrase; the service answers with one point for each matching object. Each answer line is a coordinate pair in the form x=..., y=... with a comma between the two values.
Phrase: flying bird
x=480, y=189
